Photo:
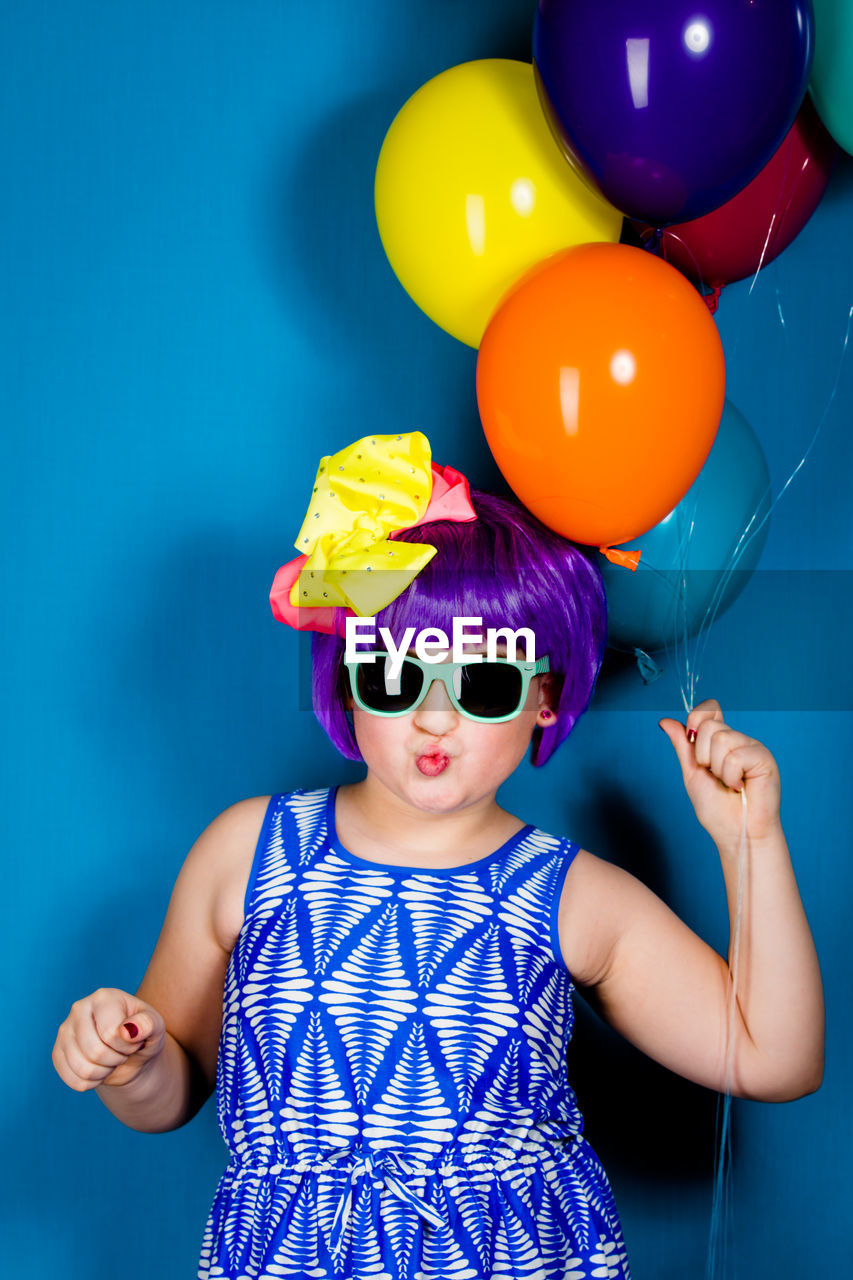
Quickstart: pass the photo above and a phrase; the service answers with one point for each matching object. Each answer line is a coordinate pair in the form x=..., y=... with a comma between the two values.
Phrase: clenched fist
x=108, y=1038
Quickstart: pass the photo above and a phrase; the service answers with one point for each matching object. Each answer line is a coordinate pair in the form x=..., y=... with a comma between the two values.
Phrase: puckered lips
x=432, y=761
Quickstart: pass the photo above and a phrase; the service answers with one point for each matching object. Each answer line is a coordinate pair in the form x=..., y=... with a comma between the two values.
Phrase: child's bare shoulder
x=596, y=901
x=225, y=850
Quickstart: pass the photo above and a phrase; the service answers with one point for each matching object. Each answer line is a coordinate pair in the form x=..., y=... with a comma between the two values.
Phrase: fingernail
x=691, y=735
x=132, y=1029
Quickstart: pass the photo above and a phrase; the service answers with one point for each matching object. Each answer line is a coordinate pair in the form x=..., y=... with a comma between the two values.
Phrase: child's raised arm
x=664, y=988
x=158, y=1079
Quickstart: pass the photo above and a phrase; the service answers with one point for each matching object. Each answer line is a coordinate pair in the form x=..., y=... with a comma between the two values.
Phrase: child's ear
x=549, y=697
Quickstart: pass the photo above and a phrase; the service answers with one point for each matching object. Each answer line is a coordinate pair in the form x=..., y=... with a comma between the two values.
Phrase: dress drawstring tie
x=387, y=1168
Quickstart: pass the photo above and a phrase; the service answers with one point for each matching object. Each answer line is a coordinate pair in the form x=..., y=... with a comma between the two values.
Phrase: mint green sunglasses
x=490, y=692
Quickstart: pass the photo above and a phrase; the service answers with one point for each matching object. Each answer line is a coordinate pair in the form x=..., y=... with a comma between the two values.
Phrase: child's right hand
x=108, y=1038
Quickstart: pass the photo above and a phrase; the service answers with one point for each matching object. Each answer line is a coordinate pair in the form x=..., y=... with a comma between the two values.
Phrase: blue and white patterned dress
x=392, y=1070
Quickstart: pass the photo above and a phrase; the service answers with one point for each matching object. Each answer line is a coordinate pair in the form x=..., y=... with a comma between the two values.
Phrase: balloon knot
x=652, y=243
x=648, y=668
x=627, y=559
x=712, y=299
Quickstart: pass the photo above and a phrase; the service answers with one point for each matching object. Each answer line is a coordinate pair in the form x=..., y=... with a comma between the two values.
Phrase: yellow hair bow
x=362, y=496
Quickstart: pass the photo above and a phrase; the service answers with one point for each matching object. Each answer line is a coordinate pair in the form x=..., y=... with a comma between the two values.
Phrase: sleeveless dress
x=391, y=1079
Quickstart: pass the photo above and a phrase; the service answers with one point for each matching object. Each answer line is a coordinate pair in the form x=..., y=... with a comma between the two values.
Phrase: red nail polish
x=691, y=735
x=132, y=1029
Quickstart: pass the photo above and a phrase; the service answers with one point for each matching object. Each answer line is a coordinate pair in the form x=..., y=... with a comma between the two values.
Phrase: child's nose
x=436, y=707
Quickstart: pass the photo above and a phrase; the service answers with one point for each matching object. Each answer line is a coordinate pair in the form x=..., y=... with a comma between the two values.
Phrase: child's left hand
x=716, y=766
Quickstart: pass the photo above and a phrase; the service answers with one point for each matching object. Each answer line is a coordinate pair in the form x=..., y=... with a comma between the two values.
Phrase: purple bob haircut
x=508, y=569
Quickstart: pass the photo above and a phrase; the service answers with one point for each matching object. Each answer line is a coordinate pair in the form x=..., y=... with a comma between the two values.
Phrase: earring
x=546, y=714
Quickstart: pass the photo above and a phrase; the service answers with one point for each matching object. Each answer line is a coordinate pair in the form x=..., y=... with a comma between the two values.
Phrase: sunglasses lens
x=380, y=691
x=487, y=690
x=490, y=689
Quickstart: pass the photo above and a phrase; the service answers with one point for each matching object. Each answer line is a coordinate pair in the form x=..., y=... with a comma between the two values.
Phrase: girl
x=398, y=955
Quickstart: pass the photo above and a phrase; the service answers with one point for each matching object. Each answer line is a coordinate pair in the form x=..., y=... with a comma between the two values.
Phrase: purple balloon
x=670, y=108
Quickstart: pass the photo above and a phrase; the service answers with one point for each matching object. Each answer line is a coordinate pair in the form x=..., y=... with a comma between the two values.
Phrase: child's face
x=479, y=756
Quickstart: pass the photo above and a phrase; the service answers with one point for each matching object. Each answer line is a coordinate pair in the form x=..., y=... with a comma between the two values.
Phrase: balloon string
x=685, y=662
x=722, y=1216
x=688, y=694
x=776, y=218
x=746, y=537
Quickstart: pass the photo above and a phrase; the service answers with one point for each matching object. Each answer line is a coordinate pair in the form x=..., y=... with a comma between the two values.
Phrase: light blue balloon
x=697, y=560
x=831, y=83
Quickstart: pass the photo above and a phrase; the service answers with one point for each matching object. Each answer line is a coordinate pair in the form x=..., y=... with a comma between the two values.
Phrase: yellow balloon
x=472, y=190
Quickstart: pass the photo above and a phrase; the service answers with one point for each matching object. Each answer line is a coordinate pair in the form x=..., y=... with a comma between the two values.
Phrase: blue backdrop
x=196, y=305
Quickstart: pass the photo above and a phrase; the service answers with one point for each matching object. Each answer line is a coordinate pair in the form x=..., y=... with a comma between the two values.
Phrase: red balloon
x=754, y=227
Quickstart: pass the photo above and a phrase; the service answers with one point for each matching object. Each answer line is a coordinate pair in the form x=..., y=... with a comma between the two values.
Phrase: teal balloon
x=685, y=576
x=831, y=83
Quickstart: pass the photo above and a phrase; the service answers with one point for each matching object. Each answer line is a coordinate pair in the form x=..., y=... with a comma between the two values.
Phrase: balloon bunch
x=502, y=192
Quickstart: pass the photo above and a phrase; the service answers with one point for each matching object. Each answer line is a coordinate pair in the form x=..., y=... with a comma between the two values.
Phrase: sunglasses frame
x=445, y=671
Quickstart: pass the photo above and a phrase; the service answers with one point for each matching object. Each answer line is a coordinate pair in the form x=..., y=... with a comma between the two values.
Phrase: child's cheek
x=380, y=738
x=370, y=734
x=500, y=748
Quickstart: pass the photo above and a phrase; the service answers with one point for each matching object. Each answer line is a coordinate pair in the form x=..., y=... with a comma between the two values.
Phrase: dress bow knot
x=391, y=1172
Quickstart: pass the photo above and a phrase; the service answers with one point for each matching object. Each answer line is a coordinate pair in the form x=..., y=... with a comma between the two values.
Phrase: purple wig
x=508, y=569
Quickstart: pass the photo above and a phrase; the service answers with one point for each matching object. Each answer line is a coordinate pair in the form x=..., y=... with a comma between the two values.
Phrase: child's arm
x=159, y=1079
x=663, y=987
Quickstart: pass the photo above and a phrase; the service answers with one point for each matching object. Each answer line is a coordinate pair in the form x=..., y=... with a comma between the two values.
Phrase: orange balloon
x=601, y=383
